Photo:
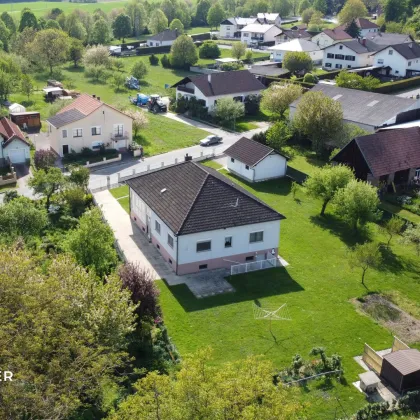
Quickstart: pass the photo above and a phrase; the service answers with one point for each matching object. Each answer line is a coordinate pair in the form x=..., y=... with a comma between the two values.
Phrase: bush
x=75, y=200
x=391, y=87
x=165, y=61
x=252, y=104
x=310, y=78
x=231, y=66
x=248, y=57
x=154, y=61
x=44, y=159
x=10, y=195
x=260, y=137
x=209, y=49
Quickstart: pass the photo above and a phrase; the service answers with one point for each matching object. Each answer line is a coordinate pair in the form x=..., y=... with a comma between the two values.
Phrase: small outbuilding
x=255, y=161
x=16, y=108
x=26, y=120
x=402, y=369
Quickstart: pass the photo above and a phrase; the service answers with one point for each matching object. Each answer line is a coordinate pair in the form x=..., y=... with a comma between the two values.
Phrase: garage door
x=120, y=144
x=17, y=156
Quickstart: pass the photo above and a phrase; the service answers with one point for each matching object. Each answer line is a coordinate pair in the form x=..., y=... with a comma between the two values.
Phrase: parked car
x=209, y=140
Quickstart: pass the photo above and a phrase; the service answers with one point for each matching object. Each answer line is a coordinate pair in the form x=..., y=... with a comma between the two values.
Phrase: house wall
x=268, y=36
x=278, y=55
x=228, y=31
x=272, y=166
x=368, y=32
x=151, y=43
x=240, y=169
x=15, y=145
x=360, y=60
x=399, y=65
x=219, y=256
x=104, y=117
x=322, y=40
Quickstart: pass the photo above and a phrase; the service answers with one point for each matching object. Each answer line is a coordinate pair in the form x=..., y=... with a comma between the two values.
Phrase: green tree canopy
x=52, y=24
x=76, y=51
x=357, y=203
x=228, y=110
x=297, y=61
x=137, y=13
x=209, y=49
x=353, y=29
x=307, y=15
x=395, y=10
x=158, y=21
x=121, y=27
x=411, y=236
x=101, y=32
x=216, y=15
x=355, y=81
x=183, y=52
x=28, y=20
x=304, y=5
x=278, y=135
x=238, y=50
x=277, y=98
x=321, y=6
x=325, y=182
x=9, y=22
x=203, y=7
x=139, y=69
x=316, y=23
x=63, y=331
x=97, y=56
x=318, y=117
x=365, y=256
x=392, y=227
x=353, y=9
x=27, y=85
x=177, y=25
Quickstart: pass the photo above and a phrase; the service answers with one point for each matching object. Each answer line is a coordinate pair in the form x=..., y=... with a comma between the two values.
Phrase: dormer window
x=390, y=52
x=340, y=47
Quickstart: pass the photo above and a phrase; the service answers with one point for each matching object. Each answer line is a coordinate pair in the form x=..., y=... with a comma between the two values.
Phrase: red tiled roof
x=362, y=23
x=9, y=130
x=337, y=34
x=85, y=103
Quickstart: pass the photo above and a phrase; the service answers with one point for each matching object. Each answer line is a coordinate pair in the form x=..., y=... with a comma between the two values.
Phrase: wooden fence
x=399, y=345
x=372, y=359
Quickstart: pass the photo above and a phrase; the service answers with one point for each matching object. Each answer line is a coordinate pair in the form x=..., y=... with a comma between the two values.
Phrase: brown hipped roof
x=405, y=361
x=10, y=131
x=362, y=23
x=337, y=34
x=192, y=198
x=248, y=151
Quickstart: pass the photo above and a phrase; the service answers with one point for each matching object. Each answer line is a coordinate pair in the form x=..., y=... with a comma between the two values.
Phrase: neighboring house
x=255, y=161
x=230, y=28
x=256, y=33
x=368, y=110
x=164, y=38
x=366, y=27
x=16, y=108
x=349, y=54
x=330, y=36
x=14, y=148
x=383, y=39
x=88, y=122
x=211, y=87
x=384, y=157
x=401, y=60
x=288, y=35
x=300, y=45
x=200, y=220
x=273, y=18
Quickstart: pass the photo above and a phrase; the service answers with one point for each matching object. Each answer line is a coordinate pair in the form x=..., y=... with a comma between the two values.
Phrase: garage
x=120, y=144
x=17, y=156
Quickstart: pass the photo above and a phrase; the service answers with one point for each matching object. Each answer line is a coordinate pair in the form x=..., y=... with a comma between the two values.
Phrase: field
x=318, y=287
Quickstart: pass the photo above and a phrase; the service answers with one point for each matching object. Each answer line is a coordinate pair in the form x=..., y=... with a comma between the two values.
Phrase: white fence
x=254, y=266
x=106, y=182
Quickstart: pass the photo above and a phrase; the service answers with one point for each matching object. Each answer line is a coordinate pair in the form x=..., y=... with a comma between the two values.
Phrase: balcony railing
x=185, y=89
x=120, y=136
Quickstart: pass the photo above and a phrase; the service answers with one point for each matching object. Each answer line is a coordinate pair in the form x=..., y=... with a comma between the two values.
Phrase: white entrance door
x=17, y=156
x=120, y=144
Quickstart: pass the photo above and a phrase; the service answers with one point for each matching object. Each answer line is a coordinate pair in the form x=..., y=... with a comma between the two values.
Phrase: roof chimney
x=410, y=45
x=93, y=96
x=364, y=41
x=98, y=98
x=209, y=77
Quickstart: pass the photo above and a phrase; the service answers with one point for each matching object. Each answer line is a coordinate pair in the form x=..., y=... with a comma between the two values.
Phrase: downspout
x=177, y=246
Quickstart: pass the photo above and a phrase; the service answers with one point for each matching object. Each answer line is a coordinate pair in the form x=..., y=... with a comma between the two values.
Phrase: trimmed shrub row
x=329, y=76
x=390, y=87
x=159, y=50
x=201, y=37
x=268, y=80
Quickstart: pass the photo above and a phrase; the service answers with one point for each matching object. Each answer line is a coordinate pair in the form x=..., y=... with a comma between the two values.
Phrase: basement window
x=250, y=258
x=202, y=267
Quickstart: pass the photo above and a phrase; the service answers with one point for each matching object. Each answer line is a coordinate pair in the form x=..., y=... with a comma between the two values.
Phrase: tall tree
x=51, y=47
x=177, y=25
x=277, y=98
x=101, y=32
x=316, y=23
x=365, y=256
x=203, y=7
x=395, y=10
x=325, y=182
x=297, y=62
x=318, y=117
x=353, y=29
x=97, y=56
x=284, y=7
x=9, y=22
x=137, y=13
x=303, y=5
x=4, y=36
x=158, y=22
x=168, y=7
x=238, y=50
x=184, y=53
x=216, y=15
x=278, y=135
x=121, y=27
x=228, y=111
x=27, y=85
x=27, y=20
x=76, y=51
x=93, y=251
x=321, y=6
x=357, y=203
x=353, y=9
x=307, y=15
x=64, y=331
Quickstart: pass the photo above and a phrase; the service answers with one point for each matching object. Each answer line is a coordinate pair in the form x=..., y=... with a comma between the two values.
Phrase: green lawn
x=122, y=195
x=212, y=164
x=405, y=214
x=226, y=53
x=317, y=287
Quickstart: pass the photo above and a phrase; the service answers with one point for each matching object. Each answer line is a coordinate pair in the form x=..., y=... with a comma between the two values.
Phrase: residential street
x=98, y=178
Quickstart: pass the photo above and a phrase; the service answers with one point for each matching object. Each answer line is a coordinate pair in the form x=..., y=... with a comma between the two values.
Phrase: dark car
x=209, y=140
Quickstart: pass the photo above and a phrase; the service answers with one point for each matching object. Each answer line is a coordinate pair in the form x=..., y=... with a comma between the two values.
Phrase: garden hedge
x=201, y=37
x=159, y=50
x=391, y=87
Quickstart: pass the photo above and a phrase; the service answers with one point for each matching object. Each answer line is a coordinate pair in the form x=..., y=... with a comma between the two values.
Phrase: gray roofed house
x=164, y=38
x=66, y=117
x=361, y=47
x=388, y=38
x=211, y=87
x=368, y=110
x=199, y=219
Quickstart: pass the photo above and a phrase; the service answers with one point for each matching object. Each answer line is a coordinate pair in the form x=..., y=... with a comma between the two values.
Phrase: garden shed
x=402, y=369
x=16, y=108
x=28, y=119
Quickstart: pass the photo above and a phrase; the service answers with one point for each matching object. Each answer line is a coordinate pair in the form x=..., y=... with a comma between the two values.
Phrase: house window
x=157, y=227
x=340, y=48
x=151, y=44
x=417, y=174
x=256, y=237
x=64, y=134
x=338, y=66
x=228, y=242
x=390, y=52
x=96, y=131
x=339, y=56
x=118, y=130
x=170, y=241
x=77, y=132
x=380, y=61
x=246, y=167
x=250, y=258
x=170, y=261
x=396, y=71
x=329, y=55
x=232, y=160
x=409, y=63
x=203, y=246
x=202, y=267
x=350, y=58
x=327, y=64
x=246, y=34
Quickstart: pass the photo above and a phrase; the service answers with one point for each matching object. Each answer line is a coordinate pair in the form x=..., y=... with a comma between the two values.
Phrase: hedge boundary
x=390, y=87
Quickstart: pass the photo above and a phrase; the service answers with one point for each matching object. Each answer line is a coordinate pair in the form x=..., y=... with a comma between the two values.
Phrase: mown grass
x=317, y=287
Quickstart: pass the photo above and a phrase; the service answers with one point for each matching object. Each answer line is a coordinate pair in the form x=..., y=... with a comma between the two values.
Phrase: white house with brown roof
x=165, y=38
x=330, y=36
x=230, y=27
x=257, y=33
x=88, y=122
x=200, y=220
x=366, y=27
x=255, y=161
x=287, y=35
x=14, y=148
x=209, y=88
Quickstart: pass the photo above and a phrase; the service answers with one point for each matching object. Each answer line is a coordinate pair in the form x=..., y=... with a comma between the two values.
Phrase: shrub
x=260, y=137
x=10, y=195
x=154, y=61
x=44, y=159
x=75, y=200
x=310, y=78
x=209, y=49
x=165, y=61
x=231, y=66
x=248, y=57
x=252, y=104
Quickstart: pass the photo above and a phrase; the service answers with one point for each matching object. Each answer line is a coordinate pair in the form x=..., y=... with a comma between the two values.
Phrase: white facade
x=230, y=26
x=399, y=64
x=368, y=32
x=152, y=43
x=17, y=151
x=255, y=33
x=211, y=100
x=105, y=126
x=339, y=56
x=322, y=40
x=296, y=45
x=272, y=166
x=273, y=18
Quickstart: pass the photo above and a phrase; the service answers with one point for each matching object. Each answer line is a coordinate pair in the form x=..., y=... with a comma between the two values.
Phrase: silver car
x=209, y=140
